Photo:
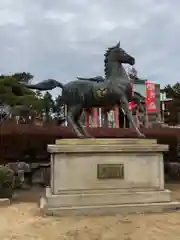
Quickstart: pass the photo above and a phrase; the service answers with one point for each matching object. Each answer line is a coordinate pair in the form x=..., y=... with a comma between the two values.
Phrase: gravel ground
x=22, y=221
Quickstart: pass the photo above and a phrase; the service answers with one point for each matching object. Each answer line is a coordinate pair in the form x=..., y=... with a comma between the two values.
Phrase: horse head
x=117, y=55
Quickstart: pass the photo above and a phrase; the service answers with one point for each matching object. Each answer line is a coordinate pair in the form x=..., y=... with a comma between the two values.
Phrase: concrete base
x=106, y=197
x=106, y=177
x=108, y=210
x=105, y=202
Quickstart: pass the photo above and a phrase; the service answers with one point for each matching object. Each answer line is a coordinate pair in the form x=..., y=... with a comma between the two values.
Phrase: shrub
x=6, y=182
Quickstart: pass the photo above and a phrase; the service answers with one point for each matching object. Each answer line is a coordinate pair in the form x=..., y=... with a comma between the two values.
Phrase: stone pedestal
x=106, y=176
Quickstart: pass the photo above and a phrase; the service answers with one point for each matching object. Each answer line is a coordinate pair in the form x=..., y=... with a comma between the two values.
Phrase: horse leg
x=79, y=111
x=143, y=109
x=71, y=115
x=85, y=133
x=125, y=106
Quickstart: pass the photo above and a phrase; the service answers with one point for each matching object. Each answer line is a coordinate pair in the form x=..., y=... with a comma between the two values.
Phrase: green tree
x=23, y=77
x=58, y=107
x=173, y=106
x=172, y=91
x=48, y=105
x=14, y=94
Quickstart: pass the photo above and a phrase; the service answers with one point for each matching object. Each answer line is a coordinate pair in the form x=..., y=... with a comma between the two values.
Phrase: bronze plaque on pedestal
x=110, y=171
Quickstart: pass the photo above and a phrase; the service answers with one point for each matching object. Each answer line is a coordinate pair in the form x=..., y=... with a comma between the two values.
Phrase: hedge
x=29, y=142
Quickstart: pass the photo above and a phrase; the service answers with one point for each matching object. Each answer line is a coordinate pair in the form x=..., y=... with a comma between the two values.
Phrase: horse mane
x=106, y=60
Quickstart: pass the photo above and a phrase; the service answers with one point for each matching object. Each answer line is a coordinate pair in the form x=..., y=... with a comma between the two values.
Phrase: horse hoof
x=142, y=136
x=88, y=136
x=91, y=137
x=81, y=137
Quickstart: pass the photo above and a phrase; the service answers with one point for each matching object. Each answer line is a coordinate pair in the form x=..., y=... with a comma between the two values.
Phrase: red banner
x=150, y=97
x=132, y=104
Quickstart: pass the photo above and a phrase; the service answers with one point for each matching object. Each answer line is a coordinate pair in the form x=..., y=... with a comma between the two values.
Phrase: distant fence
x=29, y=142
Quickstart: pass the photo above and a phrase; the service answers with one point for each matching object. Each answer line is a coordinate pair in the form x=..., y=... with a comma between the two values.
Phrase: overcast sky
x=64, y=39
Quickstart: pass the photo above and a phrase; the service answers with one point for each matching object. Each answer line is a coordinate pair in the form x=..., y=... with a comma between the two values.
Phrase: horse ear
x=118, y=44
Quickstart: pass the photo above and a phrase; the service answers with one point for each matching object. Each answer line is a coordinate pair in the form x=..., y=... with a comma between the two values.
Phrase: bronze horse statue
x=137, y=98
x=78, y=95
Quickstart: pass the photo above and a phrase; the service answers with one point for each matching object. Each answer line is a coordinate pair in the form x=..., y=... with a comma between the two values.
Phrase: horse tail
x=44, y=85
